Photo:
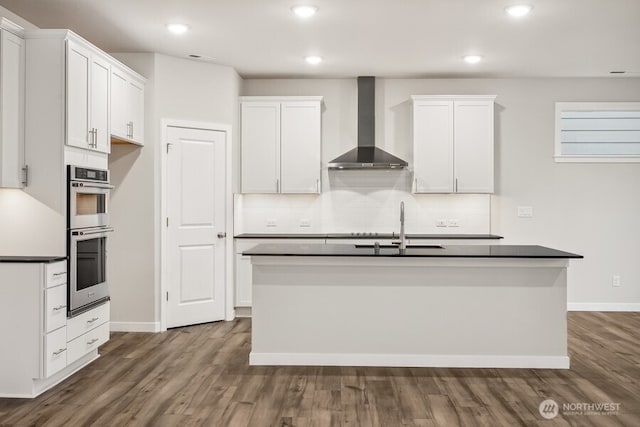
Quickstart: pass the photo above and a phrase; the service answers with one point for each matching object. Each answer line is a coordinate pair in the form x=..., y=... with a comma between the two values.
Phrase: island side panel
x=409, y=312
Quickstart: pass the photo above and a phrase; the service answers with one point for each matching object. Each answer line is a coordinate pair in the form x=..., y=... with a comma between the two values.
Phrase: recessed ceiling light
x=313, y=60
x=304, y=11
x=178, y=28
x=472, y=59
x=519, y=10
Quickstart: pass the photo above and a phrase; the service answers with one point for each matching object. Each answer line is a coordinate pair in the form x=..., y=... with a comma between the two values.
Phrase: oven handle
x=100, y=231
x=86, y=185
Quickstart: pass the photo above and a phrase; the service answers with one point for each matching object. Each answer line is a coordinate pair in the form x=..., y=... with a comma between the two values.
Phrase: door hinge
x=167, y=221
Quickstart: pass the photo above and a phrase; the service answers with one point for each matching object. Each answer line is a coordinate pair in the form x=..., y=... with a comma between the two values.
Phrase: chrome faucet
x=402, y=244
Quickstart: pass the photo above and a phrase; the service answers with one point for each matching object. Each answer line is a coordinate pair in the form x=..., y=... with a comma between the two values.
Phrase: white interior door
x=195, y=247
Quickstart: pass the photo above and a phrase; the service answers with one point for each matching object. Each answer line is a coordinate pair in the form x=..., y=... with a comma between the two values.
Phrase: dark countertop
x=448, y=251
x=43, y=259
x=369, y=236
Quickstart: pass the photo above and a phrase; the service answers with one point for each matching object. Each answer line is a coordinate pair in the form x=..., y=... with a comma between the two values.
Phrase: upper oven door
x=88, y=205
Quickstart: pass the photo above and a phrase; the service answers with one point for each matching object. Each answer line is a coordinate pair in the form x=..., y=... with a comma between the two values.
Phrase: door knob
x=221, y=235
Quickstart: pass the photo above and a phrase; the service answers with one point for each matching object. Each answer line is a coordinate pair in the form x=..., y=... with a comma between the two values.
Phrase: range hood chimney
x=366, y=155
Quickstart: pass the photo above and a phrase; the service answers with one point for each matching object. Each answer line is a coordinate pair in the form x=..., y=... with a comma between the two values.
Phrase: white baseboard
x=410, y=360
x=603, y=306
x=135, y=326
x=243, y=311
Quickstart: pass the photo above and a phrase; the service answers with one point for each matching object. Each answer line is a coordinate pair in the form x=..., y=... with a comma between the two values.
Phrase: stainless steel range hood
x=366, y=155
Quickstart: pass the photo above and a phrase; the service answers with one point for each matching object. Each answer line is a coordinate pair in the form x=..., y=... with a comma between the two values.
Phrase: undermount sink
x=396, y=246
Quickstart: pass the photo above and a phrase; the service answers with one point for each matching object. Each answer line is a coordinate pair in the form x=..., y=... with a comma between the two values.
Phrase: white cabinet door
x=55, y=352
x=300, y=147
x=260, y=147
x=136, y=111
x=119, y=105
x=99, y=107
x=11, y=110
x=78, y=104
x=433, y=146
x=473, y=130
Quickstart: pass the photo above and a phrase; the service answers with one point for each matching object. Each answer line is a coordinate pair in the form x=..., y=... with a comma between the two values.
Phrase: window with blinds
x=598, y=132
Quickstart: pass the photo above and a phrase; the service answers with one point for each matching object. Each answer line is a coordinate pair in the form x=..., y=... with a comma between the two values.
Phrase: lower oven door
x=87, y=267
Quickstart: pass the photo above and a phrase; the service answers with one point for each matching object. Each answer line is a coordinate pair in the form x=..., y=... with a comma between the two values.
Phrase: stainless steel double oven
x=88, y=230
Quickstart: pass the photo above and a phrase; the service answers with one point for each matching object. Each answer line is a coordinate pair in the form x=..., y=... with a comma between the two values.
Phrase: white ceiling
x=387, y=38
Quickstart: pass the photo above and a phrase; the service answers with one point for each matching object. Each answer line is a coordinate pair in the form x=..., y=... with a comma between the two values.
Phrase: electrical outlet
x=272, y=223
x=305, y=223
x=525, y=212
x=453, y=222
x=441, y=222
x=615, y=281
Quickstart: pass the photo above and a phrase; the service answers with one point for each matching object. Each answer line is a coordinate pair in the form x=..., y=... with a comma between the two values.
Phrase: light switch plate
x=272, y=223
x=305, y=223
x=441, y=222
x=453, y=222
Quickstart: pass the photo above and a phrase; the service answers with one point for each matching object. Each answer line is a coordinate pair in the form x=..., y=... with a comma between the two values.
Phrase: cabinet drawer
x=55, y=274
x=55, y=352
x=87, y=321
x=87, y=342
x=56, y=306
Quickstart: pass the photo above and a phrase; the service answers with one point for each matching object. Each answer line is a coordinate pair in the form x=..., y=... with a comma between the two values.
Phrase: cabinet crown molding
x=11, y=26
x=70, y=35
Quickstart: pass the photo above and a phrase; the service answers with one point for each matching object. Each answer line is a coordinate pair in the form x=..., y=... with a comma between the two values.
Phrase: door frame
x=229, y=309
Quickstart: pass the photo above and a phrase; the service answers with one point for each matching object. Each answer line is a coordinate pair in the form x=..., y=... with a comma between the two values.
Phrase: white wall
x=590, y=209
x=176, y=89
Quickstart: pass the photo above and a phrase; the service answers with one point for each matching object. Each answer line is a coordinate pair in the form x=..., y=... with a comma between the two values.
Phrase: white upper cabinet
x=87, y=98
x=281, y=139
x=12, y=77
x=453, y=144
x=127, y=106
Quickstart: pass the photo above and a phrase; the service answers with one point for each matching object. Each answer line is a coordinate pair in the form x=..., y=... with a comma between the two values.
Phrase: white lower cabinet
x=55, y=352
x=40, y=345
x=87, y=342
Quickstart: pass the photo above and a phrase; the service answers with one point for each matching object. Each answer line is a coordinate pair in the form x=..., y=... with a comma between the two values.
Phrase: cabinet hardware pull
x=93, y=341
x=62, y=350
x=92, y=320
x=60, y=307
x=277, y=185
x=25, y=180
x=415, y=184
x=59, y=274
x=131, y=130
x=222, y=235
x=318, y=185
x=456, y=190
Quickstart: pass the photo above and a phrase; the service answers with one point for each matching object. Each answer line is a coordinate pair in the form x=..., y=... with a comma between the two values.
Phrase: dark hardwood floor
x=199, y=376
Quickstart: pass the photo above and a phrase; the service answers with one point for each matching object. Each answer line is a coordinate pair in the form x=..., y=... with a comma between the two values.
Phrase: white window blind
x=597, y=132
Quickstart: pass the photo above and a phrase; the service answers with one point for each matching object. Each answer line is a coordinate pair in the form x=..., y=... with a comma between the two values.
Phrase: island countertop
x=424, y=251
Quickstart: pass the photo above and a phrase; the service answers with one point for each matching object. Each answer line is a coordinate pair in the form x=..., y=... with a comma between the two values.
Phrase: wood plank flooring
x=199, y=376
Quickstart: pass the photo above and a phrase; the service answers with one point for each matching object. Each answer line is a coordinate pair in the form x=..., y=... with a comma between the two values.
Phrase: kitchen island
x=454, y=306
